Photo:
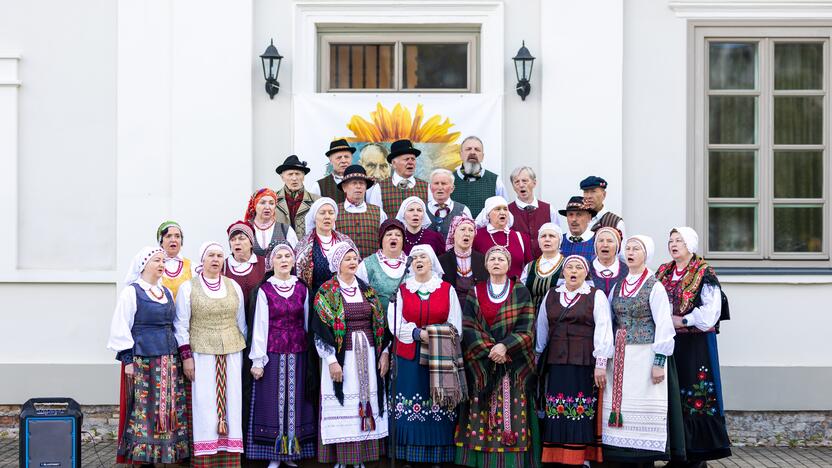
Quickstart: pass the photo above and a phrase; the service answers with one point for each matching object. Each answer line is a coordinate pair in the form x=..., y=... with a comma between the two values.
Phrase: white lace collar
x=233, y=261
x=429, y=286
x=582, y=289
x=283, y=284
x=599, y=267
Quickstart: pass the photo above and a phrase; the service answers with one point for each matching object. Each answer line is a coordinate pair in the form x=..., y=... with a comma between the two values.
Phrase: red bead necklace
x=211, y=286
x=628, y=288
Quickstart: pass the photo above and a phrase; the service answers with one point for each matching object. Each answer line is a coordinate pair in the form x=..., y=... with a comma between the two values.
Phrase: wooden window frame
x=397, y=35
x=765, y=37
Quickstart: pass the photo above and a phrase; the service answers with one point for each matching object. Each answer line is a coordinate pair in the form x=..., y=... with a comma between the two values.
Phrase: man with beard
x=340, y=156
x=389, y=193
x=373, y=157
x=356, y=218
x=579, y=240
x=595, y=192
x=529, y=212
x=293, y=200
x=441, y=209
x=473, y=183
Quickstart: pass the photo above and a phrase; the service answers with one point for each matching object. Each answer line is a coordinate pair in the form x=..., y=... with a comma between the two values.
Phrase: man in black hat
x=579, y=240
x=473, y=183
x=356, y=218
x=389, y=193
x=595, y=192
x=340, y=157
x=293, y=200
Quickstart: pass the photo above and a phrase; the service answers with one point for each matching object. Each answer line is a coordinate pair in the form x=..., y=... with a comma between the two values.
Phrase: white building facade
x=116, y=115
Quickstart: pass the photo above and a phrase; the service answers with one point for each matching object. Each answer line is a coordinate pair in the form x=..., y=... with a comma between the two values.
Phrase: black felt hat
x=401, y=147
x=292, y=162
x=339, y=145
x=355, y=172
x=577, y=203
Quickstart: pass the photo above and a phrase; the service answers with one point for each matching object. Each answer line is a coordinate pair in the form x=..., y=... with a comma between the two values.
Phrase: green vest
x=473, y=193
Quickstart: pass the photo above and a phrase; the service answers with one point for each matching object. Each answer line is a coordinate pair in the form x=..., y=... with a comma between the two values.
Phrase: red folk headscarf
x=255, y=197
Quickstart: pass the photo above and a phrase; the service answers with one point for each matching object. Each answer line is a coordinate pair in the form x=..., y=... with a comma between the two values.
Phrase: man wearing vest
x=356, y=218
x=441, y=209
x=340, y=156
x=293, y=200
x=595, y=192
x=529, y=212
x=580, y=239
x=473, y=184
x=389, y=193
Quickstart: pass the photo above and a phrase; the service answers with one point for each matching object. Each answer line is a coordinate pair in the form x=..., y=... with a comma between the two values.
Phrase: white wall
x=67, y=110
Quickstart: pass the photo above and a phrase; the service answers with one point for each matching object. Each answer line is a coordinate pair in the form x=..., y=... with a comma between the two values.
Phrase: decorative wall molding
x=752, y=10
x=9, y=90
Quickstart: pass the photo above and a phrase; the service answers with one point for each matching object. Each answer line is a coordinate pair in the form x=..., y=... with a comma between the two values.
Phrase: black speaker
x=50, y=433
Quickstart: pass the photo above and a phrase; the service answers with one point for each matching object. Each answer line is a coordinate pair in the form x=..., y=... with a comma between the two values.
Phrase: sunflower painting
x=372, y=139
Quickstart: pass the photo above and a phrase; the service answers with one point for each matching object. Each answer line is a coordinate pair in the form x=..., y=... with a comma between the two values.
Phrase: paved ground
x=101, y=455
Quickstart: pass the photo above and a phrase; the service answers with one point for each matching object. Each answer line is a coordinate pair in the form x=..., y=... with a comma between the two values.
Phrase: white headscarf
x=403, y=209
x=646, y=242
x=134, y=272
x=553, y=228
x=204, y=249
x=337, y=254
x=278, y=246
x=427, y=250
x=490, y=204
x=313, y=212
x=690, y=237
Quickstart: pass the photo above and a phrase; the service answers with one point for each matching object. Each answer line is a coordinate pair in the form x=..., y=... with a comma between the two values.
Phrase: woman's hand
x=600, y=378
x=129, y=369
x=384, y=363
x=498, y=353
x=335, y=372
x=423, y=336
x=188, y=364
x=658, y=374
x=257, y=372
x=677, y=322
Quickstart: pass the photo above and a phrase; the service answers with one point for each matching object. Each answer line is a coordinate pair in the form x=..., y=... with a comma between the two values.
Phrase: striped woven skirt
x=155, y=428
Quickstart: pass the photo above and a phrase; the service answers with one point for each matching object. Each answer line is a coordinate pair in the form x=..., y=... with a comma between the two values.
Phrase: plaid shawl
x=442, y=353
x=513, y=328
x=303, y=253
x=329, y=325
x=698, y=273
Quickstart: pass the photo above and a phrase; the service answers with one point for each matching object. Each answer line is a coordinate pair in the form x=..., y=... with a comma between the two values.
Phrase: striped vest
x=392, y=196
x=474, y=193
x=330, y=189
x=443, y=225
x=362, y=228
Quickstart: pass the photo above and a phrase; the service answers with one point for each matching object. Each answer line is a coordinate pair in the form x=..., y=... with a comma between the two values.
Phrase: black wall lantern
x=271, y=67
x=523, y=62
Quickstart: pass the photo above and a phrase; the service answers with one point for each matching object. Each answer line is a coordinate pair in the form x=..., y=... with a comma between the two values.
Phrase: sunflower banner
x=436, y=124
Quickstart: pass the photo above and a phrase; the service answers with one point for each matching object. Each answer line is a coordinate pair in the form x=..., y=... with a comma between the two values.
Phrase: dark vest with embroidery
x=539, y=286
x=431, y=311
x=634, y=314
x=278, y=235
x=392, y=196
x=571, y=330
x=362, y=228
x=530, y=221
x=443, y=225
x=330, y=189
x=473, y=193
x=153, y=325
x=606, y=284
x=286, y=333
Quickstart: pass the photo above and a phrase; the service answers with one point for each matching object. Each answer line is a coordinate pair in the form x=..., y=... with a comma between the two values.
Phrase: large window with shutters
x=761, y=155
x=400, y=58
